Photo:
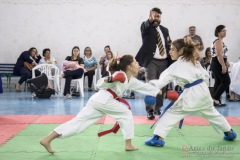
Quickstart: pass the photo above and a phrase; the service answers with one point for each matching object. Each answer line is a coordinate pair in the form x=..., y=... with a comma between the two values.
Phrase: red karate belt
x=116, y=126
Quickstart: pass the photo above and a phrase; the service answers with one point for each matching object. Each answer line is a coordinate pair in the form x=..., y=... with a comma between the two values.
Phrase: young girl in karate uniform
x=196, y=99
x=103, y=103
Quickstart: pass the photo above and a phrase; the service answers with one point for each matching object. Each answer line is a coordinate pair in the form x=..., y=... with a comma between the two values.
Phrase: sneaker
x=76, y=94
x=150, y=116
x=219, y=104
x=157, y=112
x=230, y=136
x=34, y=94
x=90, y=89
x=222, y=104
x=155, y=141
x=227, y=96
x=132, y=95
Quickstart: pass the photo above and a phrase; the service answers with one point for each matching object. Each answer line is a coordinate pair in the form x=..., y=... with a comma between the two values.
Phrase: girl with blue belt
x=195, y=98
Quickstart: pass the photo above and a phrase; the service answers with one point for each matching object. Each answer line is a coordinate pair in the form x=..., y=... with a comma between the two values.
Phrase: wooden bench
x=6, y=70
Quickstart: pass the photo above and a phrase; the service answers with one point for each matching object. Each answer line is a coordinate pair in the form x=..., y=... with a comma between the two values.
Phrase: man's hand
x=151, y=16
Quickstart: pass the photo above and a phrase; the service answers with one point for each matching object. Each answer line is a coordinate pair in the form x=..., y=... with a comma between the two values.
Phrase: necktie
x=160, y=45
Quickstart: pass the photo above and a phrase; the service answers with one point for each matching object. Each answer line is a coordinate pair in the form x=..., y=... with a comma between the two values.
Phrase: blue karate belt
x=172, y=102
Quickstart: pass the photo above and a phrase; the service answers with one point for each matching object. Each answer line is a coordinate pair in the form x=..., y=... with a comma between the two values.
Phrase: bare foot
x=47, y=145
x=131, y=148
x=68, y=96
x=17, y=87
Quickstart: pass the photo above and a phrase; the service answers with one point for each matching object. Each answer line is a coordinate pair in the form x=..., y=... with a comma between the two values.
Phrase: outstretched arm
x=107, y=82
x=164, y=79
x=144, y=88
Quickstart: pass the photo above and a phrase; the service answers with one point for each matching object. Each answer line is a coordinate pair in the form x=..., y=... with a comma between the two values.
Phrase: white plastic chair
x=79, y=82
x=95, y=78
x=211, y=79
x=52, y=72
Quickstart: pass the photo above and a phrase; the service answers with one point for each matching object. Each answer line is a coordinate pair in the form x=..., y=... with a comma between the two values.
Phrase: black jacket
x=149, y=45
x=25, y=56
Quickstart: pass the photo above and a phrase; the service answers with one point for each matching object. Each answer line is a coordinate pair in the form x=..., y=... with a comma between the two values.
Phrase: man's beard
x=156, y=23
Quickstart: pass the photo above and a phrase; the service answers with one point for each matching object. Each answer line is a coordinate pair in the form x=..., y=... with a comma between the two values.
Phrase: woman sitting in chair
x=48, y=59
x=72, y=70
x=90, y=64
x=206, y=61
x=26, y=61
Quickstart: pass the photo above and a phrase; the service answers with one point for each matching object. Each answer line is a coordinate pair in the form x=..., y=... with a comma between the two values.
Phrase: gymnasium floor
x=24, y=120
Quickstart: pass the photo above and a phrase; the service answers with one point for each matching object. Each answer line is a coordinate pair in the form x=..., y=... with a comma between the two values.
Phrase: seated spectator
x=108, y=60
x=235, y=83
x=31, y=58
x=104, y=61
x=90, y=64
x=72, y=70
x=206, y=61
x=47, y=57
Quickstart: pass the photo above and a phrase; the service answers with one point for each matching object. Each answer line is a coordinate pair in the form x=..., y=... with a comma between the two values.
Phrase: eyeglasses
x=224, y=30
x=87, y=50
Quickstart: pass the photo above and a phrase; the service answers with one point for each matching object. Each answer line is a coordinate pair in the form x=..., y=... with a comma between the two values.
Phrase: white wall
x=62, y=24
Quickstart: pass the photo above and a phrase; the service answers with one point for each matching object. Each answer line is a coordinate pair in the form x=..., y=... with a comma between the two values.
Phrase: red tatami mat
x=18, y=119
x=9, y=130
x=59, y=119
x=10, y=125
x=53, y=119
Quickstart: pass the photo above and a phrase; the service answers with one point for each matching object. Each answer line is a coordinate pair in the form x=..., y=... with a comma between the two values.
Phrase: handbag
x=28, y=65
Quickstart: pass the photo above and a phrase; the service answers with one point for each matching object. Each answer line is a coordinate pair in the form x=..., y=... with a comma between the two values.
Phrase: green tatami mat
x=189, y=143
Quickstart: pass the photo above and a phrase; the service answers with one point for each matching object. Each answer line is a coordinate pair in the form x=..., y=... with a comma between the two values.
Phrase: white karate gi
x=193, y=100
x=235, y=78
x=102, y=103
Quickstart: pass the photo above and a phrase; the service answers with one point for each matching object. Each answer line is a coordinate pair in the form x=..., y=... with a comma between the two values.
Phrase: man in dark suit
x=154, y=53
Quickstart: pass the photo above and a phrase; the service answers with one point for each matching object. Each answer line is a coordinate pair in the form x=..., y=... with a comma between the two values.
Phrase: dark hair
x=124, y=61
x=76, y=47
x=31, y=49
x=45, y=50
x=188, y=48
x=156, y=10
x=207, y=50
x=188, y=51
x=111, y=53
x=191, y=27
x=107, y=47
x=218, y=29
x=179, y=44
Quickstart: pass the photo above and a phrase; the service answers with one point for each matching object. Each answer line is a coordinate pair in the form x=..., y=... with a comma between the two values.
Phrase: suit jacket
x=149, y=45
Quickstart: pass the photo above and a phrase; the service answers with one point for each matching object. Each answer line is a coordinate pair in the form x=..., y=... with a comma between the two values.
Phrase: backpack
x=40, y=86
